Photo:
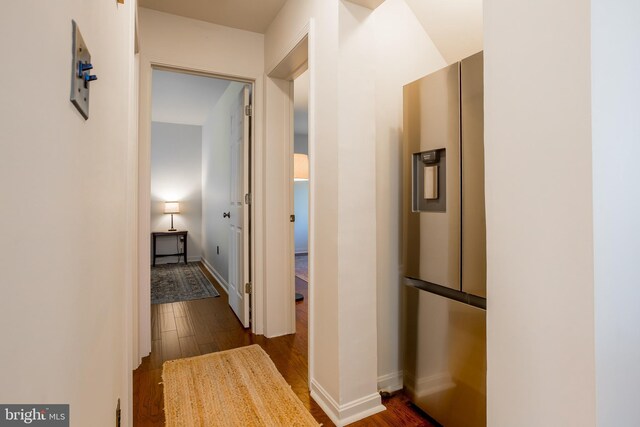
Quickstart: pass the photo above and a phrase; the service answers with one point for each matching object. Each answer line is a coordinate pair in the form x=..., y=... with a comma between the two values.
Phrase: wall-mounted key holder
x=81, y=76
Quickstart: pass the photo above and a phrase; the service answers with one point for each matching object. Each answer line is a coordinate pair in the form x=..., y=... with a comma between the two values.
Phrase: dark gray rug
x=179, y=282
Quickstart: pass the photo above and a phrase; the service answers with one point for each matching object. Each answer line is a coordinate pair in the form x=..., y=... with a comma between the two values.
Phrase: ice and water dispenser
x=429, y=181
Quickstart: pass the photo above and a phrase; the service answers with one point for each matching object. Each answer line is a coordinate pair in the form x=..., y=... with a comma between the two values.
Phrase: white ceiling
x=184, y=98
x=250, y=15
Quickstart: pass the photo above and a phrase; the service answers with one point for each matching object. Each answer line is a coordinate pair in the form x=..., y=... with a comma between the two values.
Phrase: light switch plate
x=79, y=89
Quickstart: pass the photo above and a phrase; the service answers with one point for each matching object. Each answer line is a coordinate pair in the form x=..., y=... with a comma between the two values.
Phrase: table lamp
x=172, y=208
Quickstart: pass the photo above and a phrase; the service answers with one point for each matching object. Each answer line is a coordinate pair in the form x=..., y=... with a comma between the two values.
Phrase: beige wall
x=538, y=154
x=66, y=288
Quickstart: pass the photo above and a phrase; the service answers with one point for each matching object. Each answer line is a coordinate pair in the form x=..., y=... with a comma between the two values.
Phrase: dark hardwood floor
x=191, y=328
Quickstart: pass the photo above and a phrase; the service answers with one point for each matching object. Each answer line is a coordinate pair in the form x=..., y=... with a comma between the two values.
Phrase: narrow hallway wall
x=66, y=293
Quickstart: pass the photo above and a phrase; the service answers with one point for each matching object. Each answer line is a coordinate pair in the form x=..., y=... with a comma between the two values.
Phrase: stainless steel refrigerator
x=444, y=254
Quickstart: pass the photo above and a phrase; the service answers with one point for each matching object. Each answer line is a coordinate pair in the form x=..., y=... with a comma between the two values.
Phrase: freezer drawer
x=445, y=358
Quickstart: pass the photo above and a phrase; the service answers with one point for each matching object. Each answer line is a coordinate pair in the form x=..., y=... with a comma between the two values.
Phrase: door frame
x=143, y=312
x=294, y=61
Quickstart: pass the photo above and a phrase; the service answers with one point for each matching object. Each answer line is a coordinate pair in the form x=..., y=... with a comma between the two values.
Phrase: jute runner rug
x=239, y=387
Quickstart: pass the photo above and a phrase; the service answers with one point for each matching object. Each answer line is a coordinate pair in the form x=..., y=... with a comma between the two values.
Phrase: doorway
x=290, y=104
x=200, y=155
x=301, y=187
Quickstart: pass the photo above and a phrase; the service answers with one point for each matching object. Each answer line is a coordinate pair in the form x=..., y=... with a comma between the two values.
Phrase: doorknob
x=226, y=215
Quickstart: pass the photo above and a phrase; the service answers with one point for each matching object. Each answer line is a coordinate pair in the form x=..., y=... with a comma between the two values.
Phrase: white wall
x=64, y=299
x=194, y=45
x=176, y=175
x=301, y=200
x=345, y=152
x=414, y=55
x=454, y=26
x=538, y=155
x=216, y=183
x=356, y=201
x=280, y=38
x=615, y=95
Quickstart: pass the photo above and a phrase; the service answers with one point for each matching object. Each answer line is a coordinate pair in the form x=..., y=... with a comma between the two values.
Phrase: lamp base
x=172, y=229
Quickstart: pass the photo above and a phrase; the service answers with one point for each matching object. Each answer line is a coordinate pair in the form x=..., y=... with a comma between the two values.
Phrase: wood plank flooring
x=191, y=328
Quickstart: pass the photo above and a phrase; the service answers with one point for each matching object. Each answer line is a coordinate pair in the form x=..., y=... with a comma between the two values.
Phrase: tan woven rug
x=239, y=387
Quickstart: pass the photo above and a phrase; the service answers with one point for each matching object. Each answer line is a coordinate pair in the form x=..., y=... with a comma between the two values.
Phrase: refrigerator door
x=474, y=253
x=445, y=358
x=432, y=158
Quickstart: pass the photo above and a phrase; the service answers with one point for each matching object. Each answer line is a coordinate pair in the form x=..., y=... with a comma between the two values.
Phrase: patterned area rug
x=239, y=387
x=302, y=267
x=179, y=282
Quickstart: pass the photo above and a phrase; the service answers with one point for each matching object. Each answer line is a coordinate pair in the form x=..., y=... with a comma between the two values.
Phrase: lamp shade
x=171, y=207
x=300, y=167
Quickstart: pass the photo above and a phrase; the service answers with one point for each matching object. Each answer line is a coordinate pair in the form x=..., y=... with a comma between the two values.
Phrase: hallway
x=191, y=328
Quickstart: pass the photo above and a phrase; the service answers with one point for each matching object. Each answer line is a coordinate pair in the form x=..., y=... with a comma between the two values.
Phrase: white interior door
x=239, y=210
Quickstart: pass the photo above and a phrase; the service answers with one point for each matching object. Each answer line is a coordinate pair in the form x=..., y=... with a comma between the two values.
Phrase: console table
x=178, y=235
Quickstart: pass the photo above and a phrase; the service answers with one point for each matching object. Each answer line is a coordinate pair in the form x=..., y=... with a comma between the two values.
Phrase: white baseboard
x=390, y=382
x=174, y=260
x=223, y=283
x=347, y=413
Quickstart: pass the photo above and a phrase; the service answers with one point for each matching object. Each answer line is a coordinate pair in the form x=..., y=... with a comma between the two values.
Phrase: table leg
x=185, y=249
